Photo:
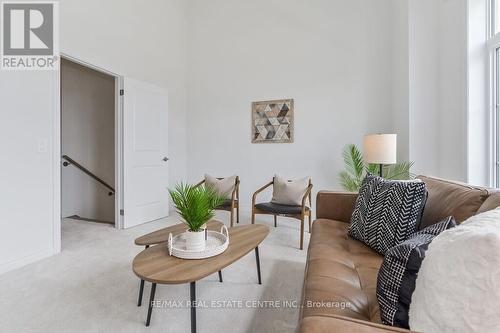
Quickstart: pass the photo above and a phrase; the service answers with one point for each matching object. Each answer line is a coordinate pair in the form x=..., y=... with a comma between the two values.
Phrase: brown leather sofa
x=339, y=293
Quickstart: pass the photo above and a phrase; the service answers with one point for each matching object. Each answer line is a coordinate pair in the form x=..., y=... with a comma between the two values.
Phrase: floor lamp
x=380, y=149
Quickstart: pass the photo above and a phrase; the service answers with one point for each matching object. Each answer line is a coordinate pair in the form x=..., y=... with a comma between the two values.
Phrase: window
x=496, y=14
x=495, y=120
x=494, y=53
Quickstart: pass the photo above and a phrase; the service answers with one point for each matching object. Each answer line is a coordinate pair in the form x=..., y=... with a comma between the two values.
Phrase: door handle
x=165, y=159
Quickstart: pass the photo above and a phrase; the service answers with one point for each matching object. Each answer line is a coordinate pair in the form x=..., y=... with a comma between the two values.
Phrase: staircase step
x=79, y=218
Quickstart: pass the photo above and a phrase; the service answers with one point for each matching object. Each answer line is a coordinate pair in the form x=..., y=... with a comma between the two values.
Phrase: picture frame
x=273, y=121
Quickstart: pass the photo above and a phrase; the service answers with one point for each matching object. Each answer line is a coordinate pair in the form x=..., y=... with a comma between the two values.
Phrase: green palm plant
x=195, y=204
x=356, y=169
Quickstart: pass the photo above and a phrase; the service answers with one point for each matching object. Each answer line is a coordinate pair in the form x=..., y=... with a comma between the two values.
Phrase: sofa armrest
x=321, y=324
x=335, y=205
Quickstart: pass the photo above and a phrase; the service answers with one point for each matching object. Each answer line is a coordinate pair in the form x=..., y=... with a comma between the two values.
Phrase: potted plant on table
x=195, y=204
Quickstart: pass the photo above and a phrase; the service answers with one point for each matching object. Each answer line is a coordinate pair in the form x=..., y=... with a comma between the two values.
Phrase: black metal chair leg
x=257, y=259
x=151, y=299
x=192, y=288
x=141, y=289
x=220, y=276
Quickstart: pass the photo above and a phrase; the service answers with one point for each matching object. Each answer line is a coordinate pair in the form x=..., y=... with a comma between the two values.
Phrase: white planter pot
x=195, y=240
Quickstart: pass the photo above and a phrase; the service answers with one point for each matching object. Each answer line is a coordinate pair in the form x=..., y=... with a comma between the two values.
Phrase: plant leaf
x=373, y=169
x=399, y=171
x=355, y=169
x=348, y=182
x=195, y=204
x=353, y=160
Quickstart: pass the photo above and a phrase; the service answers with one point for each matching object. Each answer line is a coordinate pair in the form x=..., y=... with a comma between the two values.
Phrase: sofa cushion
x=341, y=274
x=334, y=205
x=399, y=270
x=448, y=198
x=492, y=202
x=337, y=324
x=387, y=212
x=458, y=285
x=227, y=203
x=274, y=208
x=223, y=186
x=289, y=192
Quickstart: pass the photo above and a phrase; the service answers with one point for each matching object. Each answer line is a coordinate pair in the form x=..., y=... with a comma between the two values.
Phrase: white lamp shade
x=380, y=148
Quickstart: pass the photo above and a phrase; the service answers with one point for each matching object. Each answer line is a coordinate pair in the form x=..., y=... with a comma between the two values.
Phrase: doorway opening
x=88, y=143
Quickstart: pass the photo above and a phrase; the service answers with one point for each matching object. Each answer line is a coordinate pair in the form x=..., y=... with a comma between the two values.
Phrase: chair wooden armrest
x=291, y=211
x=236, y=191
x=254, y=197
x=306, y=196
x=234, y=197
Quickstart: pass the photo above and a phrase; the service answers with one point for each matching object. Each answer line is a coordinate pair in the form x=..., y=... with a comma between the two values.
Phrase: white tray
x=216, y=243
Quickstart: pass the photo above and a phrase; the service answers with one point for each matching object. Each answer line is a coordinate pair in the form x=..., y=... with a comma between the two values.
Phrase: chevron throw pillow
x=387, y=212
x=399, y=271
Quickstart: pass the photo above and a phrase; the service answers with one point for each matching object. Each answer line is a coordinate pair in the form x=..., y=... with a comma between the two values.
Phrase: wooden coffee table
x=155, y=265
x=161, y=236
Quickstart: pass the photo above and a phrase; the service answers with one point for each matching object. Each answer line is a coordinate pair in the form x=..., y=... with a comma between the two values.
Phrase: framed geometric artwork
x=272, y=121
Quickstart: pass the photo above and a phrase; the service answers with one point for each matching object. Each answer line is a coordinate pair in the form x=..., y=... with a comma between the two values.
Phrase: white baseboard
x=31, y=258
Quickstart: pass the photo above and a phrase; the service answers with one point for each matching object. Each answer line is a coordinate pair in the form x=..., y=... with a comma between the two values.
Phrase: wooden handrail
x=69, y=160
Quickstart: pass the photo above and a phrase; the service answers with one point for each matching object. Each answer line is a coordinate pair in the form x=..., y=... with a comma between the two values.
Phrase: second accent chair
x=291, y=198
x=230, y=187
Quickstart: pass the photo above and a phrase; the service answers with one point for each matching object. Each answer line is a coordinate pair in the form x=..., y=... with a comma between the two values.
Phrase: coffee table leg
x=257, y=259
x=193, y=306
x=141, y=289
x=220, y=276
x=151, y=299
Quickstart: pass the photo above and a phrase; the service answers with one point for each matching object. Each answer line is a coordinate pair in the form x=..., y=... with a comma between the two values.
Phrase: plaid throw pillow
x=387, y=212
x=399, y=270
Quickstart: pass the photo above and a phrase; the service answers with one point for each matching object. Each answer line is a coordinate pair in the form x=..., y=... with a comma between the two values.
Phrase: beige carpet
x=90, y=286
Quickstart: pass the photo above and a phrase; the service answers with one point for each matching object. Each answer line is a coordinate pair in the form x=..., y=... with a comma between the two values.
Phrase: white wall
x=453, y=88
x=142, y=40
x=438, y=87
x=479, y=144
x=424, y=86
x=343, y=61
x=400, y=76
x=88, y=136
x=333, y=57
x=27, y=172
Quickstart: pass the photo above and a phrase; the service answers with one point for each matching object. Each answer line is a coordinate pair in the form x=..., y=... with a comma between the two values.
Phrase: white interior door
x=145, y=148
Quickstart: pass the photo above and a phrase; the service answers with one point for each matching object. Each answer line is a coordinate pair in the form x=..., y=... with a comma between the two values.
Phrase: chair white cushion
x=289, y=192
x=458, y=286
x=224, y=186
